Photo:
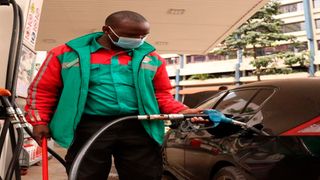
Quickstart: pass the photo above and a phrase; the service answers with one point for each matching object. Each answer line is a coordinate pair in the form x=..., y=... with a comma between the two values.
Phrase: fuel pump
x=11, y=123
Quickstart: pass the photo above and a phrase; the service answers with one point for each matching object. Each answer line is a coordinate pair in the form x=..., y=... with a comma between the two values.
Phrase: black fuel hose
x=14, y=136
x=76, y=163
x=52, y=152
x=3, y=135
x=17, y=57
x=15, y=157
x=23, y=122
x=12, y=50
x=11, y=81
x=16, y=146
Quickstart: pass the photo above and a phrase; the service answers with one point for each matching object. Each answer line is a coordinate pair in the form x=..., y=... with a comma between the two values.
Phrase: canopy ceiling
x=177, y=26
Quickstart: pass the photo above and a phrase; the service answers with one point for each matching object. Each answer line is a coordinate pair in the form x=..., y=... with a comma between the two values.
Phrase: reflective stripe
x=69, y=64
x=34, y=88
x=149, y=67
x=36, y=113
x=31, y=116
x=146, y=59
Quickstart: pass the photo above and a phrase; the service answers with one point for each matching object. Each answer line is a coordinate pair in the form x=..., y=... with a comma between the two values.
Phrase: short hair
x=119, y=16
x=221, y=88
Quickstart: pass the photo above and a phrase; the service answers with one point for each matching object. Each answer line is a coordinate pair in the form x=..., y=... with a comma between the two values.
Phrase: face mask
x=126, y=42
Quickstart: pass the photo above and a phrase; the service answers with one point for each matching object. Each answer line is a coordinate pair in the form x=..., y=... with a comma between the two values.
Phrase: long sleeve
x=167, y=103
x=44, y=91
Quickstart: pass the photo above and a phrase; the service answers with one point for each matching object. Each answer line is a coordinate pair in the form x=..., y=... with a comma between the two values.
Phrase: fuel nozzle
x=213, y=115
x=170, y=116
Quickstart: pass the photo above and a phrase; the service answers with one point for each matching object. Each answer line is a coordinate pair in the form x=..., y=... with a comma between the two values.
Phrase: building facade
x=220, y=70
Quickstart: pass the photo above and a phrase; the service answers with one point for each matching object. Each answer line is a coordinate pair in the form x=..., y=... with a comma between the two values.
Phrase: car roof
x=295, y=102
x=295, y=82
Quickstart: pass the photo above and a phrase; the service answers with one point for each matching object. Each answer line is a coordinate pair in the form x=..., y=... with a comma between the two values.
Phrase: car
x=280, y=139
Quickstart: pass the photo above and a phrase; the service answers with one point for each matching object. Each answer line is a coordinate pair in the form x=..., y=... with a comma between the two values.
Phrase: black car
x=284, y=142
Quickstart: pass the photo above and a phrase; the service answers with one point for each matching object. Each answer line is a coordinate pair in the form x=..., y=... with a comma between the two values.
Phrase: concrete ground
x=56, y=170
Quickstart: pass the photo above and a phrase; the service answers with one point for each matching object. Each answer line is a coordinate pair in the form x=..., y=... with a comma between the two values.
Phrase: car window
x=258, y=99
x=244, y=101
x=234, y=102
x=244, y=104
x=211, y=102
x=263, y=95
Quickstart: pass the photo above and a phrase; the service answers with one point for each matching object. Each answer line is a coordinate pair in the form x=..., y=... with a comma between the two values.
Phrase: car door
x=203, y=147
x=174, y=155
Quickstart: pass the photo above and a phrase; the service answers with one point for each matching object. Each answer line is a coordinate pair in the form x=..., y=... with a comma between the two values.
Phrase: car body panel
x=274, y=107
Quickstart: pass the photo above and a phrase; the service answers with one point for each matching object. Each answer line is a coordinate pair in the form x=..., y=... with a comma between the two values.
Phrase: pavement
x=56, y=170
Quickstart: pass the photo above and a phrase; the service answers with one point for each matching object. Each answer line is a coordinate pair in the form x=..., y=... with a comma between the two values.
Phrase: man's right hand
x=40, y=131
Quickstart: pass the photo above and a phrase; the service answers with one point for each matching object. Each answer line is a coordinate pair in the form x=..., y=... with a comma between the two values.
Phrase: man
x=99, y=77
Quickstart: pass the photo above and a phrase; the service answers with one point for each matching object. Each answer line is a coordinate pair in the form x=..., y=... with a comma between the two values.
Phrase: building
x=222, y=68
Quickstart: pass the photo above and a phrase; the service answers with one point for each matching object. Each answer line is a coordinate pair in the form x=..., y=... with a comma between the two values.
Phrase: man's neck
x=105, y=42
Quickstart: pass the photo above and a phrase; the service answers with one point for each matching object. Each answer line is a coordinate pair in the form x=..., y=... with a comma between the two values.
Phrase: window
x=199, y=58
x=316, y=3
x=293, y=27
x=281, y=48
x=291, y=7
x=235, y=101
x=189, y=59
x=318, y=43
x=260, y=51
x=244, y=101
x=258, y=100
x=302, y=47
x=172, y=60
x=196, y=58
x=216, y=57
x=210, y=103
x=211, y=57
x=317, y=22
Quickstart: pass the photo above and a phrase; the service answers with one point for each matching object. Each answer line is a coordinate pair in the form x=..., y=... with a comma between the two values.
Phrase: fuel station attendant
x=99, y=77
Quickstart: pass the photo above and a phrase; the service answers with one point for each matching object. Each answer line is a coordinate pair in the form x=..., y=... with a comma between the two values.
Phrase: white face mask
x=126, y=42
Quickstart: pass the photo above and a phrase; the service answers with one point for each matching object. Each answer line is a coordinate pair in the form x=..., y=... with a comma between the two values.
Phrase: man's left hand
x=193, y=111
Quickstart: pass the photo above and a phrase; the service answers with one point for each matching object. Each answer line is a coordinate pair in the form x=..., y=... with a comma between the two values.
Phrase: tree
x=261, y=63
x=199, y=77
x=260, y=31
x=290, y=58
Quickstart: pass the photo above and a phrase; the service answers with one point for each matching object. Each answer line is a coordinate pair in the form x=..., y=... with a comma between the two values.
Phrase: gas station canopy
x=177, y=26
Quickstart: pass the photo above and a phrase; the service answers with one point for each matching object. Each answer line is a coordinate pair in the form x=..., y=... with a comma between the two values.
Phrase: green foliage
x=291, y=58
x=260, y=31
x=199, y=77
x=262, y=62
x=274, y=70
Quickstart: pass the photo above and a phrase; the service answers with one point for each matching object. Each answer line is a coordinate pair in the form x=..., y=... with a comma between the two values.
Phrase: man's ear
x=105, y=29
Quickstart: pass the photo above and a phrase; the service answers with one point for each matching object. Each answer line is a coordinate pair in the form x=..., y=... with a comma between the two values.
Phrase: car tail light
x=310, y=128
x=195, y=143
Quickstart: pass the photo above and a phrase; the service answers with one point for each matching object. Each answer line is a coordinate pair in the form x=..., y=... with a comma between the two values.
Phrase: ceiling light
x=161, y=43
x=176, y=11
x=50, y=41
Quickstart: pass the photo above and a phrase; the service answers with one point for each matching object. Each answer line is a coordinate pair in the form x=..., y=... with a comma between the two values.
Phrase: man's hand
x=40, y=131
x=193, y=111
